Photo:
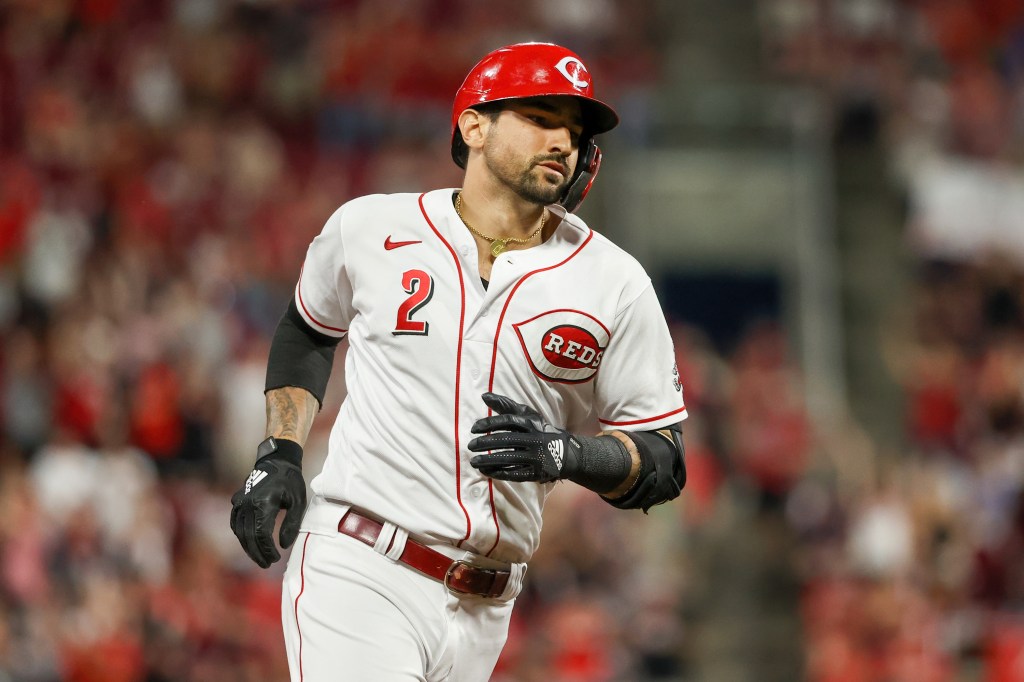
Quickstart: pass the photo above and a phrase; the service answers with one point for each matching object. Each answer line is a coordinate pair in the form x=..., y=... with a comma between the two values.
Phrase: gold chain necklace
x=498, y=244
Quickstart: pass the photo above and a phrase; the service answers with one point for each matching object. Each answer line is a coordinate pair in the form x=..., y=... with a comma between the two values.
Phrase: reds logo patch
x=565, y=346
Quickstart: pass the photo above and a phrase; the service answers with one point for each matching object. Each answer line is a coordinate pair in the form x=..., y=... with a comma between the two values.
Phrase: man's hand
x=275, y=483
x=521, y=446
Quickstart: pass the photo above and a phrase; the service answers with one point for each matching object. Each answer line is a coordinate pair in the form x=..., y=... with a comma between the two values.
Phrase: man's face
x=533, y=145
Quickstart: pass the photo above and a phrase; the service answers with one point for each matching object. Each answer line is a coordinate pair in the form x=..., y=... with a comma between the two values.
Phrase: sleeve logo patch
x=564, y=346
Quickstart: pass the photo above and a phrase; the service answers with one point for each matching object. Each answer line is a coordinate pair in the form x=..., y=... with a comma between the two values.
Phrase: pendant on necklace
x=497, y=247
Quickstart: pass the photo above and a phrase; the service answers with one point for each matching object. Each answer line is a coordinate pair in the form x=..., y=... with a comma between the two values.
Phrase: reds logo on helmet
x=564, y=346
x=530, y=70
x=573, y=69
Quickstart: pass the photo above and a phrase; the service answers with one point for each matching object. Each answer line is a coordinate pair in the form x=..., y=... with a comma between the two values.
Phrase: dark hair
x=460, y=152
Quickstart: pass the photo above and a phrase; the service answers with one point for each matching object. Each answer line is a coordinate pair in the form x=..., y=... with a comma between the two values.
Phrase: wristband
x=280, y=448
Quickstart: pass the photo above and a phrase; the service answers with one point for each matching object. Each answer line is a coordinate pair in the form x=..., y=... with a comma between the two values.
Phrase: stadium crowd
x=912, y=562
x=163, y=165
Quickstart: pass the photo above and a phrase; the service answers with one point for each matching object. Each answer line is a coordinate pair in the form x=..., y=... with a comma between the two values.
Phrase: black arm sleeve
x=662, y=469
x=300, y=356
x=604, y=463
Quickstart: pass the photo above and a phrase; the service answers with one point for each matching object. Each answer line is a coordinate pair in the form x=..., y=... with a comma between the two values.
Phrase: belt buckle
x=448, y=574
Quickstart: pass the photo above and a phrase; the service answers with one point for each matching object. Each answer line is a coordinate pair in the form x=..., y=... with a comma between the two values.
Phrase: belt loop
x=397, y=544
x=387, y=534
x=517, y=573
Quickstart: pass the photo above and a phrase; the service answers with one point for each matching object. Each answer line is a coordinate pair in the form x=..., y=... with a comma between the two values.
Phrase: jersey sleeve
x=638, y=387
x=323, y=294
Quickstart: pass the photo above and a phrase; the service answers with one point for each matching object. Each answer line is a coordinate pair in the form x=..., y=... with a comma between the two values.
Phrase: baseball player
x=487, y=326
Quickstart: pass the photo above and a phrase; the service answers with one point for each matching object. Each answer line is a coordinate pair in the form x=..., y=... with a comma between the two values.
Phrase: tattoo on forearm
x=290, y=413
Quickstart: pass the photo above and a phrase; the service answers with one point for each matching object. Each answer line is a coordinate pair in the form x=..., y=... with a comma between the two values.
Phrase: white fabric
x=571, y=327
x=515, y=582
x=387, y=534
x=351, y=615
x=397, y=544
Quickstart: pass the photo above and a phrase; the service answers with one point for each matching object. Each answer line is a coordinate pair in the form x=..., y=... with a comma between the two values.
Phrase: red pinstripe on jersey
x=302, y=588
x=494, y=360
x=458, y=368
x=302, y=304
x=643, y=421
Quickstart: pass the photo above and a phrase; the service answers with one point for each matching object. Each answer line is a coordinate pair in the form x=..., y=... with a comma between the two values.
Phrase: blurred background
x=828, y=194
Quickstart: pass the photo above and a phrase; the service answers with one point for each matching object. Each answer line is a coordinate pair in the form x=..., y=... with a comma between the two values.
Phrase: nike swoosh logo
x=388, y=244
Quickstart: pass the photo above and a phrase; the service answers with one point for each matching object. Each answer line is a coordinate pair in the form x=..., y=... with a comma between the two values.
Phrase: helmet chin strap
x=586, y=171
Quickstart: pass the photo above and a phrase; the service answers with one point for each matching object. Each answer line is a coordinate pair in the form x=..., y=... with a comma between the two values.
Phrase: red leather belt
x=458, y=576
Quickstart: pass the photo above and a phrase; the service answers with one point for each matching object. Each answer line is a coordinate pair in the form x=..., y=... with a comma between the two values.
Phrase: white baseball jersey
x=571, y=327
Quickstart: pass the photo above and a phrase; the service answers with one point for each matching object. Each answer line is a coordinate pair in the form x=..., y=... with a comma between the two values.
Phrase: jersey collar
x=570, y=233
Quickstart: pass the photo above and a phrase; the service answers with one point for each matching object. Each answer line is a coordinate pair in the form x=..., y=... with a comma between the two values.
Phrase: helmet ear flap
x=586, y=170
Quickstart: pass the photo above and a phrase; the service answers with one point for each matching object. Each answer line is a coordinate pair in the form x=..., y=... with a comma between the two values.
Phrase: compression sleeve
x=604, y=463
x=300, y=356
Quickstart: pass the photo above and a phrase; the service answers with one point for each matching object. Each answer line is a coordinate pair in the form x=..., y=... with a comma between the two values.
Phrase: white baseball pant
x=352, y=614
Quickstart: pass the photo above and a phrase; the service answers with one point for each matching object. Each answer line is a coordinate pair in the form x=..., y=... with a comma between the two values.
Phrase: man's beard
x=526, y=183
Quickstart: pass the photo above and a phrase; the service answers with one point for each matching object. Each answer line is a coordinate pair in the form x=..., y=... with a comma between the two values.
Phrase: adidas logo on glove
x=556, y=448
x=256, y=476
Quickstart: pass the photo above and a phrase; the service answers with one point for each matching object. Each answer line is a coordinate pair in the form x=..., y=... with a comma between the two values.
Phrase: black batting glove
x=521, y=445
x=275, y=483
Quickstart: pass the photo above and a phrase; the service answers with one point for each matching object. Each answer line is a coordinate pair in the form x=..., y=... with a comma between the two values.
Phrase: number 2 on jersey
x=420, y=287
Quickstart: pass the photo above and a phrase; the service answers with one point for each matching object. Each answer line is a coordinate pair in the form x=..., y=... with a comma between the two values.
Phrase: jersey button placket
x=476, y=362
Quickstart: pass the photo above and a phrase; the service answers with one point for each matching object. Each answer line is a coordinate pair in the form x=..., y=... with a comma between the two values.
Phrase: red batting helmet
x=531, y=70
x=538, y=70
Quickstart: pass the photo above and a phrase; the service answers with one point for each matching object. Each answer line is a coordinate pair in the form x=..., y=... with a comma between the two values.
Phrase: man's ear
x=473, y=125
